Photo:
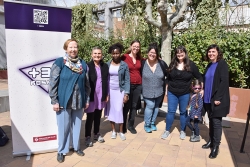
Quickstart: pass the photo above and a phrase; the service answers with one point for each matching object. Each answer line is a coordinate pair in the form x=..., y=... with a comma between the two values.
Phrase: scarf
x=73, y=64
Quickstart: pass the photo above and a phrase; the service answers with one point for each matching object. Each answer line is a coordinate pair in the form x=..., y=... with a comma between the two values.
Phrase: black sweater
x=93, y=77
x=179, y=81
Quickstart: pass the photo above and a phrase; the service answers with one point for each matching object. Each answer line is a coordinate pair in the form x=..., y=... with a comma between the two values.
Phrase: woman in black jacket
x=216, y=96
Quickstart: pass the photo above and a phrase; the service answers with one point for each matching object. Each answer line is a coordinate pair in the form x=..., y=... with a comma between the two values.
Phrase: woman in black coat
x=216, y=96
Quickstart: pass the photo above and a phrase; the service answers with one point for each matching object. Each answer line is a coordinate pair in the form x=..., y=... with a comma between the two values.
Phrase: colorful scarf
x=73, y=64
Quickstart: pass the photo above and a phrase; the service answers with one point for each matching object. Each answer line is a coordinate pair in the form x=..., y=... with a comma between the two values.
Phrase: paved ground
x=142, y=149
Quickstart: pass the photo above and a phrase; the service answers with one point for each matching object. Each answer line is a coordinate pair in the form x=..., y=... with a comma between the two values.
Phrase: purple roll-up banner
x=35, y=35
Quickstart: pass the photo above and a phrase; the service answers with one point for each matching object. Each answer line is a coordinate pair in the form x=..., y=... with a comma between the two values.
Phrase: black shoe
x=207, y=145
x=80, y=152
x=214, y=152
x=132, y=130
x=60, y=157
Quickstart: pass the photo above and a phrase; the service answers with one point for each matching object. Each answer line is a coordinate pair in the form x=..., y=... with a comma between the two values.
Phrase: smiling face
x=96, y=55
x=72, y=49
x=116, y=55
x=212, y=55
x=197, y=88
x=180, y=55
x=135, y=48
x=152, y=55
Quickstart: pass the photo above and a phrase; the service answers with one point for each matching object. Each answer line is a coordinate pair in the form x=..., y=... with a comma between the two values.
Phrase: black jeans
x=130, y=106
x=194, y=128
x=96, y=117
x=215, y=126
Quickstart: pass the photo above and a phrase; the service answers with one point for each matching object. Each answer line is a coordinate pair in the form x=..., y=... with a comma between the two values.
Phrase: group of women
x=116, y=87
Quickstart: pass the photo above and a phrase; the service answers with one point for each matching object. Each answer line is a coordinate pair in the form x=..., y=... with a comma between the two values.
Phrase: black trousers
x=130, y=106
x=215, y=126
x=93, y=117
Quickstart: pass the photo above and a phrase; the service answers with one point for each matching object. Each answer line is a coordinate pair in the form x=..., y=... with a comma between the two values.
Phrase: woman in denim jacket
x=119, y=86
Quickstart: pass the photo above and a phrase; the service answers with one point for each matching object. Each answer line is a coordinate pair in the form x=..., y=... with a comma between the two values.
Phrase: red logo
x=44, y=138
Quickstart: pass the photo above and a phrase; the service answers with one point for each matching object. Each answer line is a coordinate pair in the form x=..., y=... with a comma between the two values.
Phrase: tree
x=166, y=24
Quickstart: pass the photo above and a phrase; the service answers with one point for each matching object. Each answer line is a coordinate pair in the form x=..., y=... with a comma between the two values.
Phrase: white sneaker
x=113, y=135
x=182, y=135
x=122, y=136
x=165, y=135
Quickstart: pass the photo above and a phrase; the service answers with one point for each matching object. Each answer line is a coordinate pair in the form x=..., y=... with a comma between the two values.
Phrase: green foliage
x=82, y=20
x=196, y=39
x=235, y=46
x=136, y=26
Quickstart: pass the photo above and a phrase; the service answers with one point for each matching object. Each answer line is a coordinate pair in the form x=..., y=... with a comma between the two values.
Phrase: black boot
x=131, y=127
x=214, y=152
x=207, y=145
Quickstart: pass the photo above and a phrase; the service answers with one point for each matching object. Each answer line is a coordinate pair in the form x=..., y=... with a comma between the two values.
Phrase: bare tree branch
x=148, y=17
x=163, y=11
x=180, y=12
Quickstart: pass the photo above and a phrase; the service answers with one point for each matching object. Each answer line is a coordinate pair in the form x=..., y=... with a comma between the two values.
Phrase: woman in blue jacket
x=69, y=92
x=119, y=86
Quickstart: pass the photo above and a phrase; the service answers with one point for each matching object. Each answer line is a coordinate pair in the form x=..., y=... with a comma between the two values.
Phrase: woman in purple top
x=216, y=96
x=98, y=79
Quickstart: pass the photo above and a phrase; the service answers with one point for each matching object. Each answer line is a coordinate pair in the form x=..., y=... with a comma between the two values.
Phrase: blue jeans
x=151, y=110
x=173, y=101
x=194, y=128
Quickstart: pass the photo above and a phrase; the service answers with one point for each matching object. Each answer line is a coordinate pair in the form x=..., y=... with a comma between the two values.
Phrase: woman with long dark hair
x=133, y=59
x=181, y=72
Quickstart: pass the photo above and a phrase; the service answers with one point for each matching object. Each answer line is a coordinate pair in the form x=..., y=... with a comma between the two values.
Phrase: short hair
x=116, y=46
x=96, y=48
x=214, y=46
x=155, y=47
x=66, y=43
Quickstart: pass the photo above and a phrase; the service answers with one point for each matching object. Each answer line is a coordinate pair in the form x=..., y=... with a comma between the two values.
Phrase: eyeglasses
x=196, y=88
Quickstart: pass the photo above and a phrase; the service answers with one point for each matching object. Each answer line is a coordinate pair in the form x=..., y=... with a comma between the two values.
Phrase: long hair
x=196, y=82
x=175, y=60
x=139, y=55
x=155, y=47
x=214, y=46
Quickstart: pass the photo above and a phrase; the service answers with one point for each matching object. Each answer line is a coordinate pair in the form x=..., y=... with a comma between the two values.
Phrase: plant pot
x=239, y=102
x=3, y=74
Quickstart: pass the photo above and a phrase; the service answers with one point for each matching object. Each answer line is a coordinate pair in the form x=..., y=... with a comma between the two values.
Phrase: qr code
x=40, y=16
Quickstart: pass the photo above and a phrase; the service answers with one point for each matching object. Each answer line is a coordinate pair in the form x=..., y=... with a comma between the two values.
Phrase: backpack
x=3, y=137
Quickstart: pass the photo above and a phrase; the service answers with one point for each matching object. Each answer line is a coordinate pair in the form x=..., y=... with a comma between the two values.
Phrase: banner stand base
x=29, y=153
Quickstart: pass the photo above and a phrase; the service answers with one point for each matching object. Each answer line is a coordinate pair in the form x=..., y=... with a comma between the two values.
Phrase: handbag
x=3, y=138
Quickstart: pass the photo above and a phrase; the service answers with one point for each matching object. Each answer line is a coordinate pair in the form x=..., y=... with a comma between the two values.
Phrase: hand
x=125, y=98
x=56, y=107
x=86, y=106
x=202, y=92
x=217, y=103
x=195, y=116
x=107, y=99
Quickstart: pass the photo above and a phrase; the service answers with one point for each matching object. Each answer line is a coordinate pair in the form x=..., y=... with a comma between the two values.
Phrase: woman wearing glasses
x=133, y=59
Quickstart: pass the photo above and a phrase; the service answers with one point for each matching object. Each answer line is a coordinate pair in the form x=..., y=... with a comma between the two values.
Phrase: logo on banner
x=39, y=74
x=44, y=138
x=40, y=16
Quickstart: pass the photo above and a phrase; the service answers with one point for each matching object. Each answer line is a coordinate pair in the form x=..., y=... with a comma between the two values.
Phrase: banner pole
x=246, y=129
